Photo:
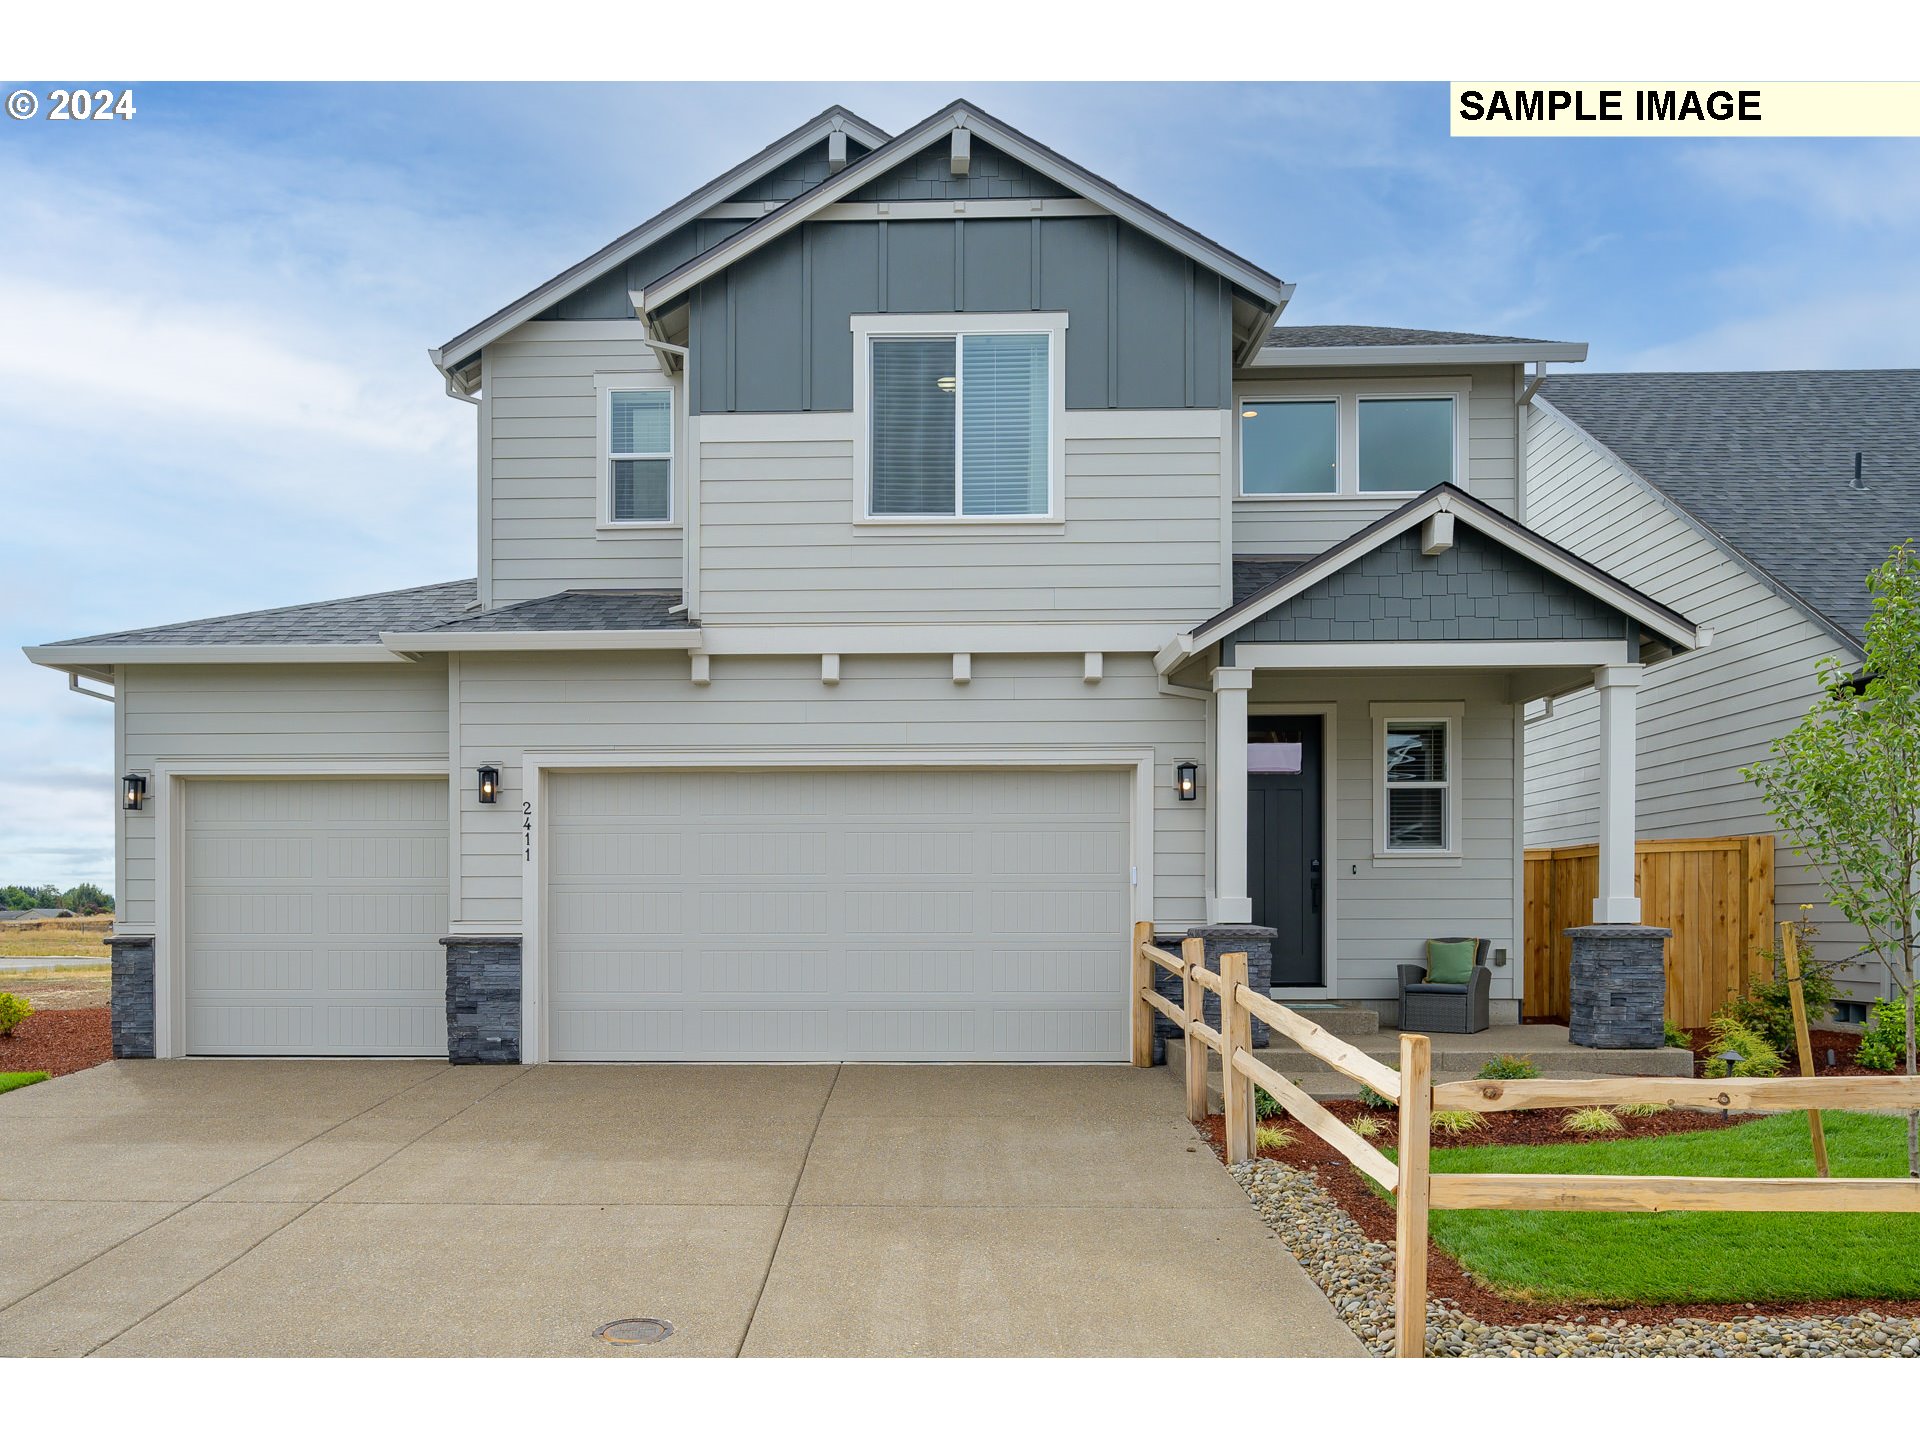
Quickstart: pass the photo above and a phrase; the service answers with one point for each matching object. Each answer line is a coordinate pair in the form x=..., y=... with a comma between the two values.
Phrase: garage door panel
x=871, y=915
x=337, y=953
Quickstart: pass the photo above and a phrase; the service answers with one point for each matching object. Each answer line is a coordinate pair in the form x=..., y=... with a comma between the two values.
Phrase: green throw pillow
x=1450, y=962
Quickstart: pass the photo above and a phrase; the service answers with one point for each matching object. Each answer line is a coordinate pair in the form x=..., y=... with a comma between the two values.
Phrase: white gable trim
x=904, y=146
x=691, y=208
x=1489, y=522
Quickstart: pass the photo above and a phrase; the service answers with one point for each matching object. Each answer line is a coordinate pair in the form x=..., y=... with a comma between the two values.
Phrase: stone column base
x=1618, y=987
x=133, y=1028
x=1255, y=940
x=483, y=999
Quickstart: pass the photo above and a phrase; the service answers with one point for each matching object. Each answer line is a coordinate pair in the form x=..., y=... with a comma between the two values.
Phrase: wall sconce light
x=489, y=784
x=1186, y=780
x=133, y=791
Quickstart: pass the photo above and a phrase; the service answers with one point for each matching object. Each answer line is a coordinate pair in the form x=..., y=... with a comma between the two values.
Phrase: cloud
x=1861, y=184
x=1853, y=329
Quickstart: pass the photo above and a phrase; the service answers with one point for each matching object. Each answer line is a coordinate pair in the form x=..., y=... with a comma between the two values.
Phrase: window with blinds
x=1417, y=783
x=640, y=454
x=961, y=425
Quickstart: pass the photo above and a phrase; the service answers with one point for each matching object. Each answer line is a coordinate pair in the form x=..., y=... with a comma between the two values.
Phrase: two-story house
x=903, y=564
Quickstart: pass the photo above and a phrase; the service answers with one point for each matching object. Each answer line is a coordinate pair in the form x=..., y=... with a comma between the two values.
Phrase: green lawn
x=1656, y=1259
x=15, y=1079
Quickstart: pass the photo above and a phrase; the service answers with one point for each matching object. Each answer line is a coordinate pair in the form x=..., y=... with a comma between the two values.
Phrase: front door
x=1285, y=867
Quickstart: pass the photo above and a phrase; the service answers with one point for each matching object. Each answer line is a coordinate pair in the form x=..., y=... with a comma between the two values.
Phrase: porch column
x=1231, y=903
x=1617, y=686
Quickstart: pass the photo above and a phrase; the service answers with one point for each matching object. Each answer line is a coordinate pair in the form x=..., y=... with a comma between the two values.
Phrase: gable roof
x=1651, y=614
x=1763, y=461
x=643, y=618
x=1267, y=288
x=462, y=347
x=1386, y=344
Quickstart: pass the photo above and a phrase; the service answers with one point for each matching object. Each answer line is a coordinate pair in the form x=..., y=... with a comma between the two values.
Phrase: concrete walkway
x=412, y=1208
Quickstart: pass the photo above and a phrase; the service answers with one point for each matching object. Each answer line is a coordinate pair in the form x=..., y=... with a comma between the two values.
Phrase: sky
x=214, y=317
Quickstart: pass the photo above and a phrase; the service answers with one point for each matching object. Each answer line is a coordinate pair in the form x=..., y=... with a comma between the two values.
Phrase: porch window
x=638, y=426
x=1417, y=759
x=961, y=426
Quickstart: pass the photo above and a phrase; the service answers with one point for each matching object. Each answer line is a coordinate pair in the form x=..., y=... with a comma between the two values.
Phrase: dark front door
x=1285, y=867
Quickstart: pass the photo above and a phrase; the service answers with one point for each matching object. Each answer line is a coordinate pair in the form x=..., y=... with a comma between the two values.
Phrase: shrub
x=1509, y=1067
x=1592, y=1122
x=1883, y=1045
x=1456, y=1122
x=1372, y=1098
x=1265, y=1107
x=1767, y=1010
x=1758, y=1056
x=1367, y=1127
x=13, y=1010
x=1676, y=1038
x=1271, y=1137
x=1641, y=1109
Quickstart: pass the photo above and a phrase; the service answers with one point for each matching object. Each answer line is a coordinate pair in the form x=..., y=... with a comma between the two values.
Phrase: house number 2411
x=526, y=825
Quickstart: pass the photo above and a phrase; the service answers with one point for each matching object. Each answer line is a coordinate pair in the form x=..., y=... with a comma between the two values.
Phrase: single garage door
x=838, y=915
x=314, y=910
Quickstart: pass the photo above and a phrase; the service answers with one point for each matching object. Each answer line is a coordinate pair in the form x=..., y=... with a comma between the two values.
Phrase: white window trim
x=1451, y=714
x=1347, y=397
x=604, y=386
x=1051, y=323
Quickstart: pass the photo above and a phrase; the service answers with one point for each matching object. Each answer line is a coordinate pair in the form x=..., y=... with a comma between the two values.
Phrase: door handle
x=1313, y=882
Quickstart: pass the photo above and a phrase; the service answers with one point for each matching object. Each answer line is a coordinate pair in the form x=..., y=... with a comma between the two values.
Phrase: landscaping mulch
x=1449, y=1283
x=1840, y=1044
x=59, y=1041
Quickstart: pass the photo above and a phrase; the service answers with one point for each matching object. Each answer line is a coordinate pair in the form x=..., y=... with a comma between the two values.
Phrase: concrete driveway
x=237, y=1207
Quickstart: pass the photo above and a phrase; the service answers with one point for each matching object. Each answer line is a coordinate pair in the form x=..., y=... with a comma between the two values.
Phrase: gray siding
x=633, y=704
x=1141, y=538
x=540, y=534
x=991, y=175
x=274, y=715
x=1475, y=590
x=1146, y=329
x=1268, y=526
x=1703, y=716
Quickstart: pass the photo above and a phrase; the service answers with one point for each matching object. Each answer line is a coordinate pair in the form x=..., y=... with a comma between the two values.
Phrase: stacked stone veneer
x=133, y=1034
x=1617, y=987
x=483, y=999
x=1255, y=940
x=1474, y=590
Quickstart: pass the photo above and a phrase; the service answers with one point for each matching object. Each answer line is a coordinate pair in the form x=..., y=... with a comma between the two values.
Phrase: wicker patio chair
x=1451, y=1009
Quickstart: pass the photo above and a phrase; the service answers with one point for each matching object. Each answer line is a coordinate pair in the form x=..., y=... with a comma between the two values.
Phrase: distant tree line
x=83, y=899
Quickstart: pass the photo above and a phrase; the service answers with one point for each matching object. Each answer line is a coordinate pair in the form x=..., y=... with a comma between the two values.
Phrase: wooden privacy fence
x=1716, y=895
x=1409, y=1178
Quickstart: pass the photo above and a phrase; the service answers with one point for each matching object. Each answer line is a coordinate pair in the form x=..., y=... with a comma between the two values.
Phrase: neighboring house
x=1756, y=503
x=21, y=916
x=903, y=563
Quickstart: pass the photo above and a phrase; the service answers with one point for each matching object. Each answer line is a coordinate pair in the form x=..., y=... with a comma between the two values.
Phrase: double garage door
x=771, y=915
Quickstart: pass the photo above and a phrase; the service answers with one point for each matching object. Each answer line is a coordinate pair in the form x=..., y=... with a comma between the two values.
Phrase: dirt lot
x=86, y=937
x=80, y=988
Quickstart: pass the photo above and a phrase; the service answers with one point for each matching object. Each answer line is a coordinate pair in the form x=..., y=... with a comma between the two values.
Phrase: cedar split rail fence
x=1416, y=1189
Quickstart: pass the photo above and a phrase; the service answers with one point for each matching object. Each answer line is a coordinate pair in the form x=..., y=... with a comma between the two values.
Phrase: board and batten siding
x=275, y=716
x=1703, y=716
x=1141, y=537
x=598, y=703
x=1385, y=911
x=542, y=467
x=1308, y=526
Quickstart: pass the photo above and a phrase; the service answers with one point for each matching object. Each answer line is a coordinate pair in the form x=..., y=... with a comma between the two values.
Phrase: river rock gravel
x=1357, y=1275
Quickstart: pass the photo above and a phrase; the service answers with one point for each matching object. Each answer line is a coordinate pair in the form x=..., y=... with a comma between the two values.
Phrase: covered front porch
x=1365, y=764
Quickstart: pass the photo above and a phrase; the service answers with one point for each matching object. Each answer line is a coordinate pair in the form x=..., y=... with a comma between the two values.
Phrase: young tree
x=1845, y=786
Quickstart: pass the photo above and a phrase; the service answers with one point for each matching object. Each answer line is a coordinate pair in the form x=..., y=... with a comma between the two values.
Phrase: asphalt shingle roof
x=1253, y=573
x=576, y=610
x=1764, y=459
x=356, y=620
x=1294, y=337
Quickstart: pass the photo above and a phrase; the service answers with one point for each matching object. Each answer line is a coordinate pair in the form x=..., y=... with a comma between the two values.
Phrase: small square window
x=1289, y=447
x=640, y=456
x=1406, y=444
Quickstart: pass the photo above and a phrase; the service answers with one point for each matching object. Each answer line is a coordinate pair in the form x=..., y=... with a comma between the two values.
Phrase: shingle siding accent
x=483, y=999
x=1475, y=590
x=133, y=1024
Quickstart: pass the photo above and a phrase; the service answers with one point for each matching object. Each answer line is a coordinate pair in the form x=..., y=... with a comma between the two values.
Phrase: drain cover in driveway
x=634, y=1332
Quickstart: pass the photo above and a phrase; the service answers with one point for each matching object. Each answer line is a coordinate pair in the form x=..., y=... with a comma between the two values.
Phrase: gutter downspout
x=690, y=527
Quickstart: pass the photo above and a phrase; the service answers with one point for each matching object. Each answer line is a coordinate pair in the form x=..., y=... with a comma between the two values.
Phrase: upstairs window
x=961, y=426
x=639, y=456
x=1304, y=439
